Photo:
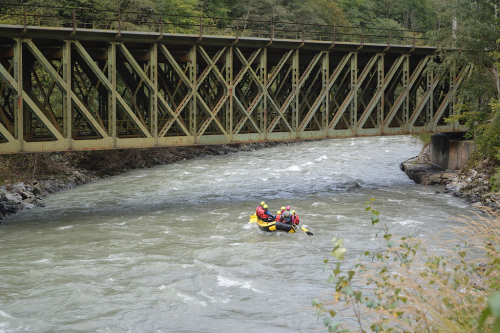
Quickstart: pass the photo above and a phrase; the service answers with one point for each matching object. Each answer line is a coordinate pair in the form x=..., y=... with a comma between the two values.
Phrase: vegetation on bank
x=408, y=287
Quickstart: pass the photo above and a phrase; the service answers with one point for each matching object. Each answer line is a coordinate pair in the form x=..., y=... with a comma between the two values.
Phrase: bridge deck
x=65, y=88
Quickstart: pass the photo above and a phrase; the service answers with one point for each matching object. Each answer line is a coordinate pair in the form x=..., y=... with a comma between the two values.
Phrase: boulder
x=27, y=205
x=18, y=189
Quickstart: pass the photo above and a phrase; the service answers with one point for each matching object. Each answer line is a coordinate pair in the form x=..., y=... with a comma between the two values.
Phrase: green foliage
x=406, y=288
x=145, y=14
x=425, y=138
x=495, y=181
x=468, y=36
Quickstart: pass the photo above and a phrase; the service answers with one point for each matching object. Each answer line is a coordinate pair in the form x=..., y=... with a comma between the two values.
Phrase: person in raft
x=295, y=218
x=278, y=217
x=261, y=206
x=263, y=214
x=287, y=215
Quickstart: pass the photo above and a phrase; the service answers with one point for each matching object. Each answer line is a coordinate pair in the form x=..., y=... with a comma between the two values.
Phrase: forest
x=421, y=15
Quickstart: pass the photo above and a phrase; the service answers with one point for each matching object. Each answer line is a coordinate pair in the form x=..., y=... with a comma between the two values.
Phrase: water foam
x=43, y=261
x=294, y=168
x=213, y=299
x=226, y=282
x=248, y=226
x=191, y=300
x=63, y=228
x=5, y=315
x=321, y=158
x=405, y=222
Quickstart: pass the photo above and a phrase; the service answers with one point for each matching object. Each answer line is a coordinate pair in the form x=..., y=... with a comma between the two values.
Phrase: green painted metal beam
x=139, y=90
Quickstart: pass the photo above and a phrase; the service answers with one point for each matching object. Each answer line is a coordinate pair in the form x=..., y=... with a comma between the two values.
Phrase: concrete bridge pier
x=450, y=151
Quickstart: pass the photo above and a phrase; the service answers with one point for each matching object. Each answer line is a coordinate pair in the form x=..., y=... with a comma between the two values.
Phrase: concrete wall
x=450, y=151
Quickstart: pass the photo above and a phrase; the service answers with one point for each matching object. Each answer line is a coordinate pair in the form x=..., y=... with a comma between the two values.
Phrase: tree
x=468, y=35
x=330, y=12
x=359, y=12
x=410, y=14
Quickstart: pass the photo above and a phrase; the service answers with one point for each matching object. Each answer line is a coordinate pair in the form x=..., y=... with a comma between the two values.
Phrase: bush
x=23, y=167
x=407, y=288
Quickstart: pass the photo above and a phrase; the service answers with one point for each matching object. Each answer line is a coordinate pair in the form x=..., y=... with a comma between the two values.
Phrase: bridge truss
x=79, y=89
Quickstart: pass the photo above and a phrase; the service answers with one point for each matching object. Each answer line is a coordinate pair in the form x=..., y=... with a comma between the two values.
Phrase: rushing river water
x=170, y=249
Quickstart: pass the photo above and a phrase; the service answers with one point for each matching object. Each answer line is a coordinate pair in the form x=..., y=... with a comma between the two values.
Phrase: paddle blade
x=306, y=231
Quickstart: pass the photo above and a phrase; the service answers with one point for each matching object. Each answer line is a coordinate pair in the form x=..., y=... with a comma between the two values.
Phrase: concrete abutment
x=450, y=151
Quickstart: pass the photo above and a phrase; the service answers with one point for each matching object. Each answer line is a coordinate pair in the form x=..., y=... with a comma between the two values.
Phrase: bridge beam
x=61, y=92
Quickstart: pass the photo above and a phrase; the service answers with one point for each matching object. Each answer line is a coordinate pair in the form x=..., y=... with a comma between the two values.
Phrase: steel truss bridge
x=78, y=89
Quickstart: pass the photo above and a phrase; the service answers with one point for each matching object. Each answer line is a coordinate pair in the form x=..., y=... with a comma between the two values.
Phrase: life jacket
x=295, y=219
x=261, y=213
x=278, y=218
x=287, y=216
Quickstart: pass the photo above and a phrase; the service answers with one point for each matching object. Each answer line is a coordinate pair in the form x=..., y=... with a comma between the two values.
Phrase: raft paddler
x=278, y=217
x=287, y=215
x=295, y=218
x=259, y=208
x=264, y=215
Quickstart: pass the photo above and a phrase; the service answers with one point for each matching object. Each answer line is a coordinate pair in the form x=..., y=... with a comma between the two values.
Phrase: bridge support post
x=405, y=81
x=67, y=78
x=193, y=80
x=295, y=90
x=18, y=77
x=353, y=105
x=325, y=105
x=262, y=111
x=380, y=95
x=112, y=94
x=430, y=103
x=450, y=150
x=153, y=98
x=229, y=64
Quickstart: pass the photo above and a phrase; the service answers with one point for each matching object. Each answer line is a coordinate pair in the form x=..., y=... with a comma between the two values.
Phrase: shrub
x=408, y=288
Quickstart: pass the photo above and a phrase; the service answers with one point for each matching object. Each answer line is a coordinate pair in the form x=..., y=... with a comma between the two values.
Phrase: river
x=170, y=249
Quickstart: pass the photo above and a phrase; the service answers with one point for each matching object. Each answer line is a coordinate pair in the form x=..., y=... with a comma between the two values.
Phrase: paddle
x=306, y=231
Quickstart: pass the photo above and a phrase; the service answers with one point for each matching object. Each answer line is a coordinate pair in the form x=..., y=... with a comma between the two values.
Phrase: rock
x=27, y=205
x=16, y=189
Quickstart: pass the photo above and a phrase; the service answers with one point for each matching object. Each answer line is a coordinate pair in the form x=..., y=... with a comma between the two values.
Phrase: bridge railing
x=90, y=18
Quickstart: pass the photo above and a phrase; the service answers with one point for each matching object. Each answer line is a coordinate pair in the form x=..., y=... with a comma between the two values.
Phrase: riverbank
x=28, y=178
x=471, y=183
